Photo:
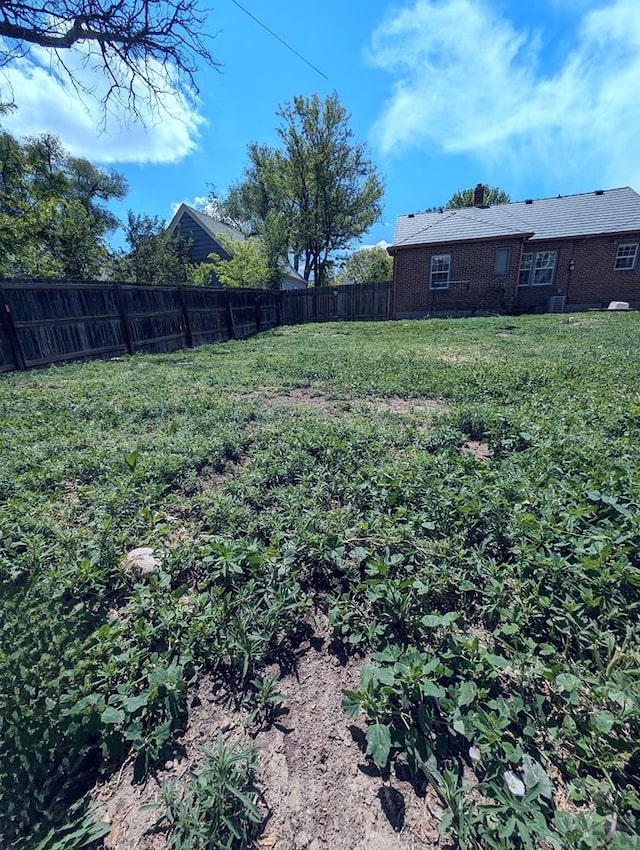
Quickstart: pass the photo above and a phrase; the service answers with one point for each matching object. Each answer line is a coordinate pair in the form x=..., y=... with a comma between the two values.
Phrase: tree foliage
x=140, y=45
x=248, y=266
x=367, y=265
x=315, y=193
x=53, y=215
x=464, y=198
x=155, y=256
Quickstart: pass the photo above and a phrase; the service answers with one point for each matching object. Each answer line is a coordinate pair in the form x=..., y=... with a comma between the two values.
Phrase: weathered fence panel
x=49, y=321
x=362, y=302
x=157, y=320
x=297, y=307
x=206, y=311
x=357, y=302
x=64, y=322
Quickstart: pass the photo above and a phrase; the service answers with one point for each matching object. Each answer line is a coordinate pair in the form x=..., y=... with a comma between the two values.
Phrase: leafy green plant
x=218, y=807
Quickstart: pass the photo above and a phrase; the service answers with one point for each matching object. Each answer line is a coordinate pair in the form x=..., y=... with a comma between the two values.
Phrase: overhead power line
x=281, y=40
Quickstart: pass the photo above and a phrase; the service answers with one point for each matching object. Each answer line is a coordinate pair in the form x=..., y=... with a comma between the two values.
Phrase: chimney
x=478, y=196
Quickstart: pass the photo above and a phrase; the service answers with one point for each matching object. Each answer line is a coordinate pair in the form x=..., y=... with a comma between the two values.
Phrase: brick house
x=573, y=252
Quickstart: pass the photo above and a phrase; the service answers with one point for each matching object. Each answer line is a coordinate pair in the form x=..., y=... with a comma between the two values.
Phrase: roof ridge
x=493, y=223
x=569, y=195
x=428, y=226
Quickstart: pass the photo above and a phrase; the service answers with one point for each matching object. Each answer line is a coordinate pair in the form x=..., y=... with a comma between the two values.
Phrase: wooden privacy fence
x=362, y=302
x=45, y=322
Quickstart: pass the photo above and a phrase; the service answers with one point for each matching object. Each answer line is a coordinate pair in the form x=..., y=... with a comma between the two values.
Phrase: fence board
x=8, y=358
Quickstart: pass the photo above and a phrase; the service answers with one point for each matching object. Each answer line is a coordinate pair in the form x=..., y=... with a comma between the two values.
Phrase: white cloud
x=467, y=81
x=48, y=102
x=200, y=202
x=369, y=247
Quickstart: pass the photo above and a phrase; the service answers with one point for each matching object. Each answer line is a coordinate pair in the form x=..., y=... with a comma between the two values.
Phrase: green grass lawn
x=282, y=478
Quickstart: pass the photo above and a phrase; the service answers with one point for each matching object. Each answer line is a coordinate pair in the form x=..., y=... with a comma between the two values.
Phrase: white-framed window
x=537, y=269
x=526, y=264
x=440, y=270
x=626, y=257
x=501, y=264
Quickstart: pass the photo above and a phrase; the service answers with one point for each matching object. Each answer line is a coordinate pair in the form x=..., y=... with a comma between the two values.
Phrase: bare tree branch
x=150, y=46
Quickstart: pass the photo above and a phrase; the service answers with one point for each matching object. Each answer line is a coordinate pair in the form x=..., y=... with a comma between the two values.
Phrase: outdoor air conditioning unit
x=556, y=303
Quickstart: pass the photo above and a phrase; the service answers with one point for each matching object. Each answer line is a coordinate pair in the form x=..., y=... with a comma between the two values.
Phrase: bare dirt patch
x=477, y=449
x=395, y=404
x=310, y=400
x=320, y=791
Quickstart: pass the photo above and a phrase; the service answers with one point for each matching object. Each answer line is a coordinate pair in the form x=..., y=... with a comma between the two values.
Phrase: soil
x=307, y=399
x=476, y=448
x=319, y=789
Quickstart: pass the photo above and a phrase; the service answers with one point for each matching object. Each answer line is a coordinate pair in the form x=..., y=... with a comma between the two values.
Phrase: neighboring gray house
x=203, y=230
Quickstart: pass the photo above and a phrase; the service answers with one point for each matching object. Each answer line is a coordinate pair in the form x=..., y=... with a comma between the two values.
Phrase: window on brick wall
x=537, y=269
x=501, y=264
x=626, y=257
x=440, y=270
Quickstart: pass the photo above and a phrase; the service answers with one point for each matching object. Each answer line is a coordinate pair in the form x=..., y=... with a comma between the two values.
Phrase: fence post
x=7, y=321
x=231, y=327
x=280, y=308
x=185, y=314
x=124, y=317
x=258, y=317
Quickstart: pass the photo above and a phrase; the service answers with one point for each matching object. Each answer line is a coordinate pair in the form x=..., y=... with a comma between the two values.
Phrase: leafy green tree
x=367, y=265
x=464, y=198
x=201, y=274
x=54, y=221
x=315, y=193
x=248, y=266
x=154, y=256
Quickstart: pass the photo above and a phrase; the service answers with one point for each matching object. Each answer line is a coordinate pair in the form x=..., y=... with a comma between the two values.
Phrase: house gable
x=202, y=231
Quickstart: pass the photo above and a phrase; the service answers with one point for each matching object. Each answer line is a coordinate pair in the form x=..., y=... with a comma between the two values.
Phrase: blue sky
x=538, y=97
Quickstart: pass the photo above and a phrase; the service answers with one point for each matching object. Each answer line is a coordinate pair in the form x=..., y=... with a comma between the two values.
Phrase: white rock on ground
x=142, y=561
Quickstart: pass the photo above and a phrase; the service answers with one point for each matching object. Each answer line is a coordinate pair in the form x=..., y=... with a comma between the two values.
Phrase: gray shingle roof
x=209, y=224
x=588, y=214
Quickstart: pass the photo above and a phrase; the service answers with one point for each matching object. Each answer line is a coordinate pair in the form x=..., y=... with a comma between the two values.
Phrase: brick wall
x=473, y=286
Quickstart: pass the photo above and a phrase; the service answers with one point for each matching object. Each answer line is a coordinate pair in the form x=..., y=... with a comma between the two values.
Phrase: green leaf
x=112, y=715
x=132, y=704
x=459, y=727
x=430, y=689
x=467, y=693
x=351, y=703
x=379, y=743
x=384, y=675
x=434, y=621
x=568, y=682
x=496, y=660
x=131, y=460
x=535, y=774
x=603, y=721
